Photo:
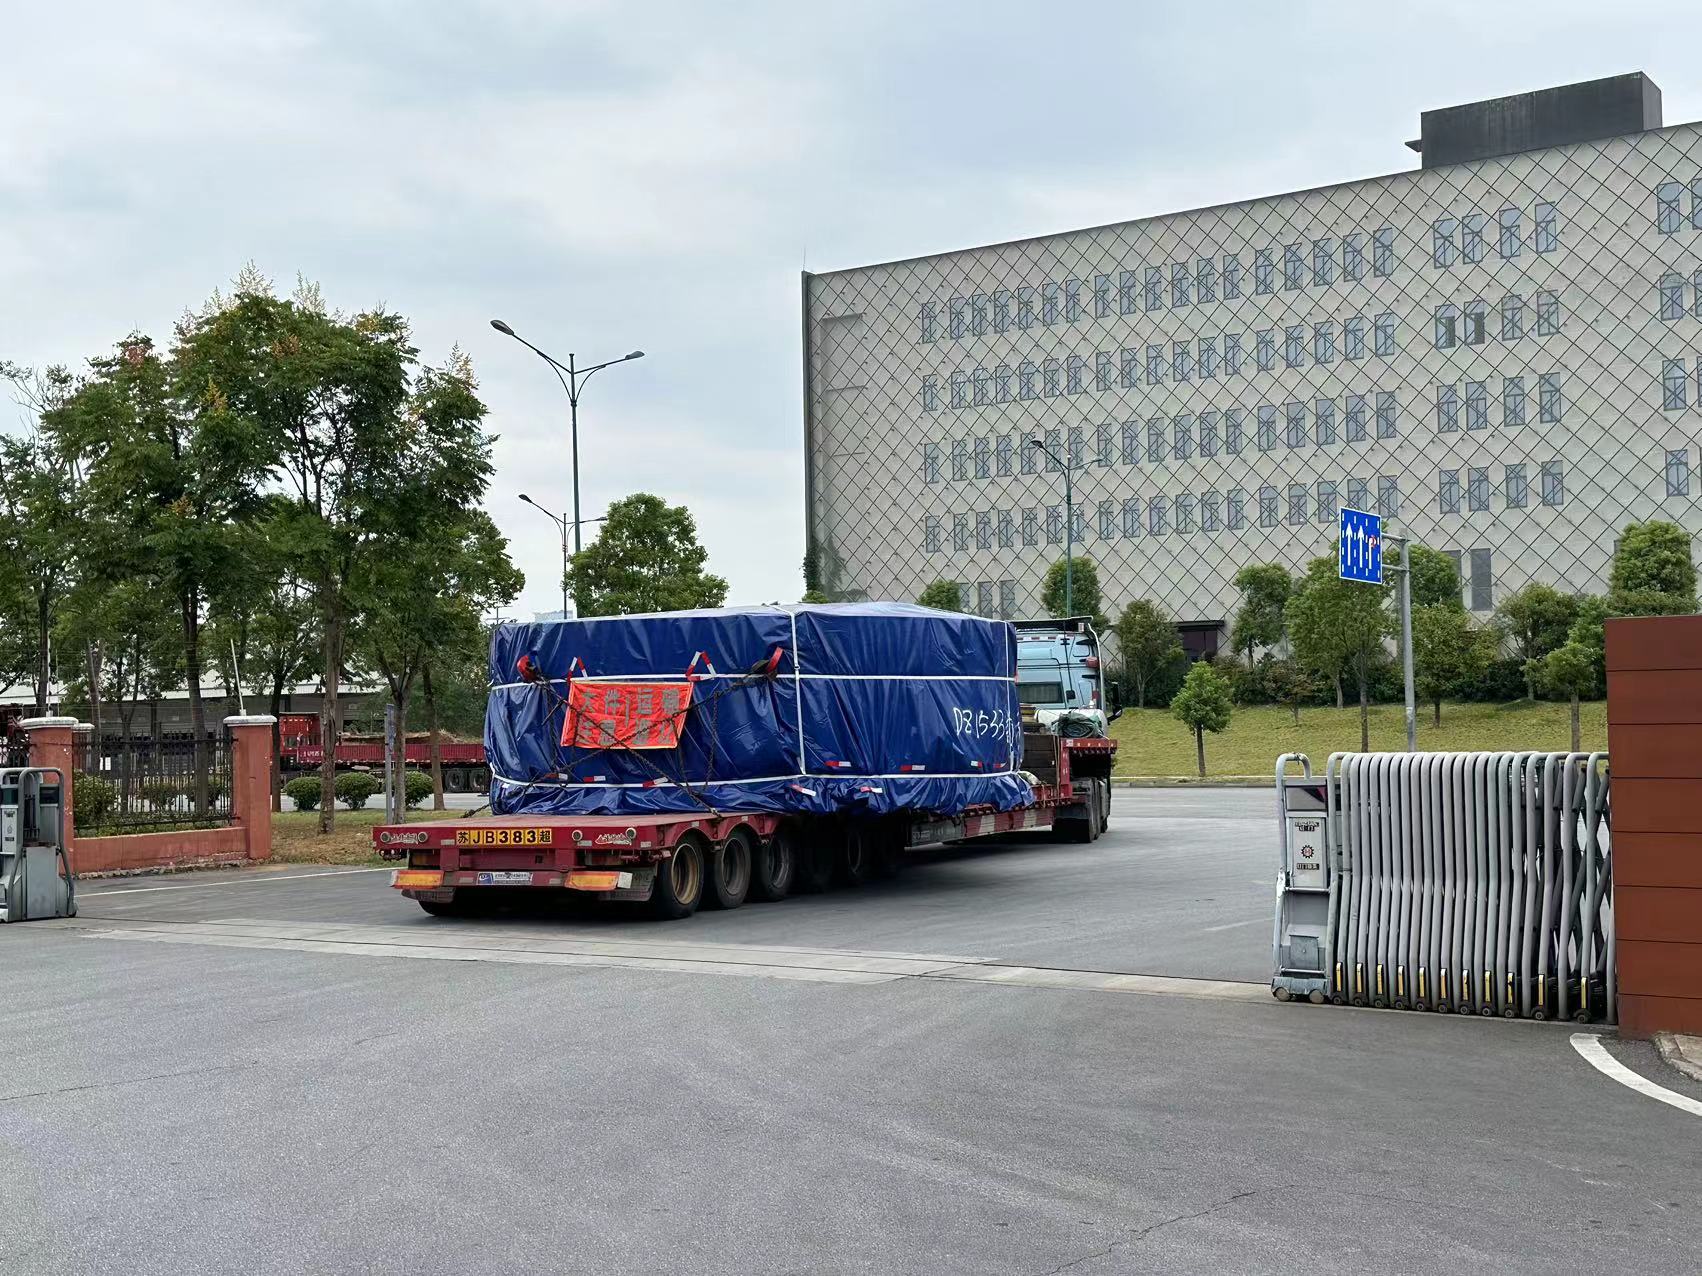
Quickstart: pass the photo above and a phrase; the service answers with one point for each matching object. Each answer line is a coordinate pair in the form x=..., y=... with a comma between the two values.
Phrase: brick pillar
x=251, y=781
x=51, y=745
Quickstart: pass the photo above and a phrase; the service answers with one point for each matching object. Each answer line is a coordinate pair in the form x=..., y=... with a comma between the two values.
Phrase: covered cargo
x=865, y=708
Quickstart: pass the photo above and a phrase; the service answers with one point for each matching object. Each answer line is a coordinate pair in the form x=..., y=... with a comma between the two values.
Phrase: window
x=1509, y=232
x=959, y=318
x=1178, y=284
x=1264, y=271
x=1294, y=424
x=1323, y=262
x=1208, y=358
x=1211, y=511
x=931, y=534
x=1696, y=292
x=1231, y=277
x=1104, y=370
x=1447, y=409
x=931, y=393
x=1182, y=437
x=1443, y=250
x=1131, y=370
x=1268, y=508
x=1030, y=528
x=1077, y=379
x=1481, y=577
x=1548, y=314
x=1553, y=483
x=1551, y=405
x=1678, y=473
x=1513, y=401
x=1547, y=237
x=1232, y=352
x=1158, y=516
x=1512, y=317
x=983, y=457
x=1131, y=518
x=1293, y=267
x=1128, y=293
x=1298, y=504
x=1388, y=496
x=1477, y=405
x=930, y=463
x=1050, y=294
x=1267, y=427
x=1208, y=434
x=1353, y=257
x=1054, y=524
x=1356, y=418
x=982, y=384
x=1102, y=296
x=1078, y=522
x=930, y=321
x=1185, y=514
x=1447, y=326
x=1025, y=307
x=1353, y=338
x=1054, y=450
x=1007, y=599
x=1007, y=530
x=1105, y=445
x=1383, y=252
x=1477, y=489
x=1205, y=280
x=1078, y=447
x=1131, y=443
x=1154, y=288
x=1674, y=385
x=960, y=533
x=1383, y=334
x=1696, y=203
x=1030, y=456
x=1327, y=505
x=1324, y=421
x=984, y=529
x=1668, y=216
x=1025, y=380
x=1323, y=343
x=1388, y=415
x=960, y=389
x=1448, y=491
x=1107, y=520
x=1155, y=445
x=1155, y=365
x=1051, y=382
x=1002, y=311
x=1471, y=237
x=1002, y=383
x=1477, y=322
x=1294, y=345
x=1672, y=295
x=1181, y=361
x=1234, y=436
x=978, y=315
x=1514, y=489
x=1266, y=342
x=1235, y=509
x=1358, y=494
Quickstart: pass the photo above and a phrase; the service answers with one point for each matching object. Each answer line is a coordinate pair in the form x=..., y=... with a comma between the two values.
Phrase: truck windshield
x=1040, y=692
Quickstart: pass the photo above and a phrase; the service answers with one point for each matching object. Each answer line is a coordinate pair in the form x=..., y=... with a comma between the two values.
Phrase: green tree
x=1265, y=588
x=814, y=596
x=1338, y=628
x=646, y=558
x=1589, y=630
x=1290, y=683
x=1653, y=573
x=1084, y=590
x=1148, y=643
x=1203, y=704
x=1535, y=620
x=1435, y=579
x=942, y=595
x=1449, y=652
x=1569, y=670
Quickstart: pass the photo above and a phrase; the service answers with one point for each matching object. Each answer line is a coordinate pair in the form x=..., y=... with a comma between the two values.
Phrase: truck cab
x=1058, y=673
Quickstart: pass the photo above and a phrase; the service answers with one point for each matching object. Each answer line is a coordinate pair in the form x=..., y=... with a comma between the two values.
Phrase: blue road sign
x=1361, y=546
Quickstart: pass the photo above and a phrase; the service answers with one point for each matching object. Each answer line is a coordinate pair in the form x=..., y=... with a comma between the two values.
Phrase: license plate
x=504, y=837
x=505, y=879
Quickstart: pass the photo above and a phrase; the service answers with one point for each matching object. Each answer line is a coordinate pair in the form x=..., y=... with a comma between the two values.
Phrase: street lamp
x=561, y=521
x=575, y=378
x=1063, y=463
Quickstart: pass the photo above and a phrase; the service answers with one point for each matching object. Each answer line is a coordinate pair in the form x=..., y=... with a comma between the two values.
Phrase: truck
x=652, y=760
x=465, y=769
x=1060, y=676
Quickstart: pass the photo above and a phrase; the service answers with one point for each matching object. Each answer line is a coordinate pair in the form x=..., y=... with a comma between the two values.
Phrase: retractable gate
x=1469, y=882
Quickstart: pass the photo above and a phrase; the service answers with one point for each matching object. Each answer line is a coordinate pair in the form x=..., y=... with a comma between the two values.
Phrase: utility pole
x=1405, y=571
x=1063, y=463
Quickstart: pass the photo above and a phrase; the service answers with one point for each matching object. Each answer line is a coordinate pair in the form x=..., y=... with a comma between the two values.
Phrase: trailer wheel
x=455, y=780
x=773, y=866
x=814, y=861
x=889, y=855
x=679, y=880
x=729, y=876
x=482, y=780
x=453, y=907
x=1104, y=787
x=858, y=852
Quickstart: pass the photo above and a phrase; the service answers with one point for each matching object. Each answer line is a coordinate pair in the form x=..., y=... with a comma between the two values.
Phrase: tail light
x=1092, y=662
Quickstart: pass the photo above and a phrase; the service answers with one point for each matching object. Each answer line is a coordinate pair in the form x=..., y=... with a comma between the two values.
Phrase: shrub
x=355, y=787
x=93, y=798
x=304, y=792
x=417, y=787
x=160, y=794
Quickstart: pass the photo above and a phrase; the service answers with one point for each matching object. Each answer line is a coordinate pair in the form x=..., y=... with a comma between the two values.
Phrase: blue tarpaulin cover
x=869, y=708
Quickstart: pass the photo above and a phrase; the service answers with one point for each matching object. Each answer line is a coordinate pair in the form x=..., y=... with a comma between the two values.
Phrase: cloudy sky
x=608, y=176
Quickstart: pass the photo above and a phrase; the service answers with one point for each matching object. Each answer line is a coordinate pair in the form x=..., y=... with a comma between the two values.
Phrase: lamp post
x=561, y=521
x=1063, y=463
x=572, y=383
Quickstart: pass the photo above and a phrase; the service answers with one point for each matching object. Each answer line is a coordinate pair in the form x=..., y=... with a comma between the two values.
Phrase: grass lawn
x=1152, y=743
x=296, y=838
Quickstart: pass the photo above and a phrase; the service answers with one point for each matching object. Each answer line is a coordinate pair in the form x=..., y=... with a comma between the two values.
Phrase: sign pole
x=1406, y=645
x=1360, y=543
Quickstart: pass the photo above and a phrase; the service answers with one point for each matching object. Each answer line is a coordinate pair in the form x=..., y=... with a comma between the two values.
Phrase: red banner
x=625, y=715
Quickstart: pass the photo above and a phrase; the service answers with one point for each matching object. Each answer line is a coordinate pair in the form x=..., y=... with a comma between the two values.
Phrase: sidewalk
x=1682, y=1052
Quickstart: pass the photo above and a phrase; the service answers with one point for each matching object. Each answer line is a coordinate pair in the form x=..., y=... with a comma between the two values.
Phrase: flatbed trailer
x=680, y=860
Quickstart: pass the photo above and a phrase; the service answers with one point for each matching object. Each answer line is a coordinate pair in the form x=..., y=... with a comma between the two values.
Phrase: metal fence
x=124, y=785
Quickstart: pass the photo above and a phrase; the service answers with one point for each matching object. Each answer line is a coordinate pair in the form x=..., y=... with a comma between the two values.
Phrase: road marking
x=1595, y=1053
x=256, y=880
x=1251, y=921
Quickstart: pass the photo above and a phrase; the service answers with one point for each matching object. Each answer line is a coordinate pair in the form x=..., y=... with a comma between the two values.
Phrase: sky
x=608, y=177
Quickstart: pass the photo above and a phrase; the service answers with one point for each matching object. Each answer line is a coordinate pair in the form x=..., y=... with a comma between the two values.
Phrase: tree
x=1148, y=643
x=1084, y=597
x=1337, y=628
x=1653, y=573
x=1535, y=620
x=646, y=558
x=1265, y=588
x=1449, y=652
x=1435, y=579
x=40, y=530
x=1290, y=684
x=1589, y=630
x=1569, y=670
x=942, y=595
x=814, y=596
x=1203, y=704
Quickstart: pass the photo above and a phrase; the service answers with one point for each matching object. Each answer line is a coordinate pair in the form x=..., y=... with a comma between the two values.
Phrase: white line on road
x=256, y=880
x=1595, y=1053
x=1251, y=921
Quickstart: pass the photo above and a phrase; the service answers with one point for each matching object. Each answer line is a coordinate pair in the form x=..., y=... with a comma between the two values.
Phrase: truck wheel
x=455, y=780
x=679, y=880
x=482, y=780
x=729, y=872
x=815, y=861
x=455, y=907
x=1104, y=786
x=773, y=866
x=889, y=856
x=858, y=853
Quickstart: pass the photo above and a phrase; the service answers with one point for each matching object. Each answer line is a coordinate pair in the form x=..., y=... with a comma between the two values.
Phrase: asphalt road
x=282, y=1072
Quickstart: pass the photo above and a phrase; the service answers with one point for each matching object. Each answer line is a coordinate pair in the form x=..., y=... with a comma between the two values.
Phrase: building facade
x=1502, y=355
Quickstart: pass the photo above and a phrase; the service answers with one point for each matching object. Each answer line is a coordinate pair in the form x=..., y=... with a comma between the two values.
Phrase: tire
x=679, y=880
x=814, y=861
x=482, y=780
x=1104, y=786
x=773, y=866
x=455, y=780
x=729, y=877
x=858, y=852
x=456, y=907
x=890, y=857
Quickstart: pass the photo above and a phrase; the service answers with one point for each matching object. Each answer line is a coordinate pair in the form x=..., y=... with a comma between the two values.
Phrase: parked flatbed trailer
x=679, y=860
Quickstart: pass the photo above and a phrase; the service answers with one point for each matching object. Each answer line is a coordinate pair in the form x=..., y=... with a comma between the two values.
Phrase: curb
x=1681, y=1052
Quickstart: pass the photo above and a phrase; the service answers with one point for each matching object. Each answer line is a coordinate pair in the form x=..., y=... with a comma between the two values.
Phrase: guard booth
x=1300, y=945
x=35, y=872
